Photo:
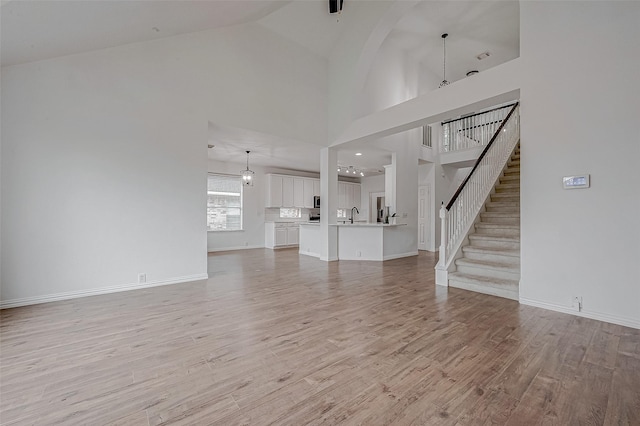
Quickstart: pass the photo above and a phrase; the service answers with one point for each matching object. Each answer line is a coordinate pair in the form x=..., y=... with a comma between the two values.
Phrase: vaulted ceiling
x=43, y=29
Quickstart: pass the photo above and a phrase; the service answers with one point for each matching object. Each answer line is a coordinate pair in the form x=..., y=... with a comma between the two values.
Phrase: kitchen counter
x=370, y=225
x=359, y=241
x=360, y=224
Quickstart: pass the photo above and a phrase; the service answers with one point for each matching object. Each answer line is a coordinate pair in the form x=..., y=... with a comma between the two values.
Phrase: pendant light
x=444, y=61
x=248, y=175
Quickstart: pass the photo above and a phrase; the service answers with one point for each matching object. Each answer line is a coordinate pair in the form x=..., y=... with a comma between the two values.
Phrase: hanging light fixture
x=351, y=170
x=444, y=61
x=248, y=175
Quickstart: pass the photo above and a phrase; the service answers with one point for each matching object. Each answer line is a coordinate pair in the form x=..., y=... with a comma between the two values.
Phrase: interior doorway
x=376, y=207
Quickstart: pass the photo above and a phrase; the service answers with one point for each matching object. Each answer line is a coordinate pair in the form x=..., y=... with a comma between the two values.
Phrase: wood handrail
x=484, y=152
x=478, y=113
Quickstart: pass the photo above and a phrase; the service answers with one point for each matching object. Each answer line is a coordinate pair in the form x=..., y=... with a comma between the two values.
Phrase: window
x=287, y=213
x=224, y=203
x=342, y=214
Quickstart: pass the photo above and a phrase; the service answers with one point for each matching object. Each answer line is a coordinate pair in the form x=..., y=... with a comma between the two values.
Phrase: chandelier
x=248, y=175
x=444, y=61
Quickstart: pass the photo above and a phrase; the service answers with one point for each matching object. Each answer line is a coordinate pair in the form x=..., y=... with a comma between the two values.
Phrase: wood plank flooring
x=277, y=338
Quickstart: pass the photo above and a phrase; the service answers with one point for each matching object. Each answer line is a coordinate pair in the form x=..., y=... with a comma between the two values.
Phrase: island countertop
x=356, y=224
x=359, y=240
x=367, y=224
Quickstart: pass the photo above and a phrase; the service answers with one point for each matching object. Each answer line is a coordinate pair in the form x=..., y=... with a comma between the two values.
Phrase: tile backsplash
x=273, y=215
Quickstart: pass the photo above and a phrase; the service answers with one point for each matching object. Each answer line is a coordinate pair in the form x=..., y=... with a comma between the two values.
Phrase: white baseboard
x=13, y=303
x=233, y=248
x=329, y=259
x=309, y=253
x=614, y=319
x=398, y=256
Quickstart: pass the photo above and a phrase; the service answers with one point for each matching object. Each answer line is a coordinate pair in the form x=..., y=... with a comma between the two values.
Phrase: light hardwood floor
x=277, y=338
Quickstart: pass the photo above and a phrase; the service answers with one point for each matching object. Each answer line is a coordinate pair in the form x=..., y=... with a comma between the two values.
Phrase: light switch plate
x=576, y=182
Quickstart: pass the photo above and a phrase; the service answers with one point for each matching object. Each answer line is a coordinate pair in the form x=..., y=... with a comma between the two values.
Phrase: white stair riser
x=503, y=209
x=503, y=220
x=503, y=189
x=498, y=232
x=482, y=243
x=497, y=204
x=490, y=257
x=505, y=197
x=490, y=273
x=513, y=294
x=512, y=177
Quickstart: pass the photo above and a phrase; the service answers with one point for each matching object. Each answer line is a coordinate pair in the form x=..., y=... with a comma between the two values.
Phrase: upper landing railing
x=471, y=131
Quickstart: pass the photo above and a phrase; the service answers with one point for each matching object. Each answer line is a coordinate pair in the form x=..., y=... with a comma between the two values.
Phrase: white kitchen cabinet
x=298, y=192
x=280, y=237
x=348, y=195
x=281, y=234
x=357, y=201
x=274, y=191
x=316, y=187
x=287, y=191
x=342, y=195
x=293, y=235
x=308, y=193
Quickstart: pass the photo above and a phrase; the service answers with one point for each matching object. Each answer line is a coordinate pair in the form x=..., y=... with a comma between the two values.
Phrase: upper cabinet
x=274, y=191
x=295, y=191
x=298, y=192
x=287, y=191
x=348, y=195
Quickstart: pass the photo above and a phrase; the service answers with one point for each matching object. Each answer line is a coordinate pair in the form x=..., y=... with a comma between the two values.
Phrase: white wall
x=580, y=106
x=392, y=79
x=104, y=156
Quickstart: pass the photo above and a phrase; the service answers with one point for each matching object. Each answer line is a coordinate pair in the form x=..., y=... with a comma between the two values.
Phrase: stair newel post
x=441, y=268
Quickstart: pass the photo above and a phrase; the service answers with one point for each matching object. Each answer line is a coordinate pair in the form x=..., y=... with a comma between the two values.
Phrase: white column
x=390, y=178
x=328, y=204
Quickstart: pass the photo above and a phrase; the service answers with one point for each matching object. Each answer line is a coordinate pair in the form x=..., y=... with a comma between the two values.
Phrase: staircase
x=491, y=260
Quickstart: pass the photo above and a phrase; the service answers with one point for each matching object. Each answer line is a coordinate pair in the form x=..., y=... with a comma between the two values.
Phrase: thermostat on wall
x=575, y=182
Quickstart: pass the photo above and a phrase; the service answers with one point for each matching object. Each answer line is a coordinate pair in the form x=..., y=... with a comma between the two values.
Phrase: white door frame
x=424, y=225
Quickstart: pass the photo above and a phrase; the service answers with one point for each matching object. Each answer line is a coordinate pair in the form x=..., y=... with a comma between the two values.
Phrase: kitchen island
x=359, y=241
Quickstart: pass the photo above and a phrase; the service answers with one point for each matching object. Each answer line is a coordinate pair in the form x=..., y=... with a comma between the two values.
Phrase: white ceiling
x=33, y=30
x=474, y=27
x=310, y=24
x=40, y=29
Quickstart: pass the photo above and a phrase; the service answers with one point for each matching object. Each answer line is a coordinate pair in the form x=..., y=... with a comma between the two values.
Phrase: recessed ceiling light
x=472, y=72
x=358, y=153
x=210, y=146
x=483, y=55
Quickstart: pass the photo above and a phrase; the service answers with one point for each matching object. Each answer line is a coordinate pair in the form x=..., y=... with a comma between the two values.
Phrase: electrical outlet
x=142, y=278
x=358, y=253
x=576, y=303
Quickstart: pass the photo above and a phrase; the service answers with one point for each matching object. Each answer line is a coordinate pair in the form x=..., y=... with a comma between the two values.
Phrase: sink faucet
x=356, y=209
